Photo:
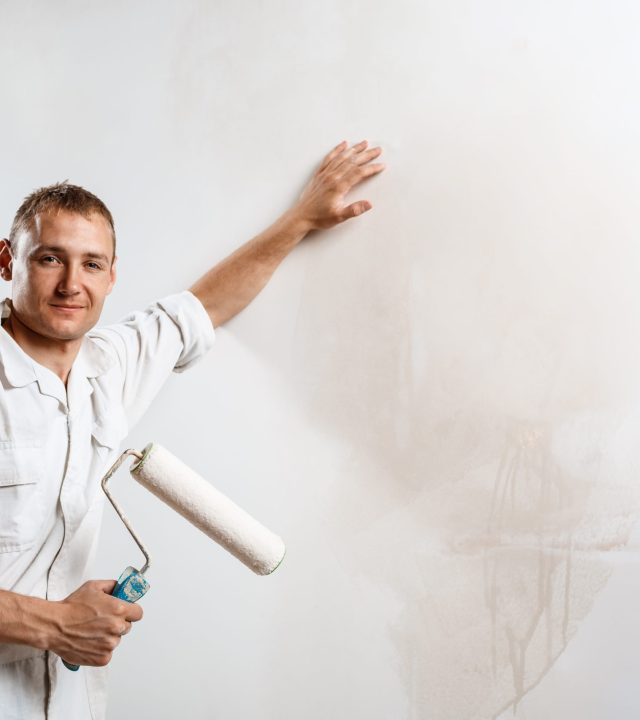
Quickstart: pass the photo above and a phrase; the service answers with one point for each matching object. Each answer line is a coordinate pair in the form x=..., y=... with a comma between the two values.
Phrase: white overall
x=55, y=445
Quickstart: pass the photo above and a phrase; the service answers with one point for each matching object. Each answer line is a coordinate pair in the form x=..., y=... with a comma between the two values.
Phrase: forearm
x=233, y=283
x=25, y=620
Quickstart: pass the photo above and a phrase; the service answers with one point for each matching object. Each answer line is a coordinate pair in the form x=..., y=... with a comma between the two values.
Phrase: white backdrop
x=436, y=405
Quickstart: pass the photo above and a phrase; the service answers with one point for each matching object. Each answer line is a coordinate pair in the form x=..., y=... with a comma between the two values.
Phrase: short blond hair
x=59, y=196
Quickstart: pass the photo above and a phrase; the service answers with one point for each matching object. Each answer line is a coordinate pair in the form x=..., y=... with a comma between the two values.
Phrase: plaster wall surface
x=436, y=405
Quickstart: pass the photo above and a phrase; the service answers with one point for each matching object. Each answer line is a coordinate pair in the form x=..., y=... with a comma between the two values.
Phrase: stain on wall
x=480, y=374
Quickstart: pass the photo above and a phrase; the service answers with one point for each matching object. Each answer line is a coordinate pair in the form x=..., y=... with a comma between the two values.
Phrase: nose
x=70, y=281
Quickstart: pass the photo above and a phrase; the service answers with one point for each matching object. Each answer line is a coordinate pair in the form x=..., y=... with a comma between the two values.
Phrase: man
x=69, y=396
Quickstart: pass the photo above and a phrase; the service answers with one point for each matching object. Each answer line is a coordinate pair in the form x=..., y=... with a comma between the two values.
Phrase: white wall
x=436, y=405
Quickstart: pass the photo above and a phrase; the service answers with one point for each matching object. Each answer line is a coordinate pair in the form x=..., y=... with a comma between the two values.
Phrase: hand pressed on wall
x=231, y=285
x=322, y=203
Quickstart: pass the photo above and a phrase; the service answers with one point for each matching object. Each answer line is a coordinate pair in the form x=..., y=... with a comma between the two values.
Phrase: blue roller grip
x=131, y=586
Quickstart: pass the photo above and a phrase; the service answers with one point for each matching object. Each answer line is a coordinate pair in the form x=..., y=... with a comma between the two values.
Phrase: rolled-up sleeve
x=194, y=323
x=169, y=335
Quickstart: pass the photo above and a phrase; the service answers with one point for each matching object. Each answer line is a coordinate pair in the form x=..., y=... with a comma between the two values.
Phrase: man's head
x=60, y=252
x=60, y=197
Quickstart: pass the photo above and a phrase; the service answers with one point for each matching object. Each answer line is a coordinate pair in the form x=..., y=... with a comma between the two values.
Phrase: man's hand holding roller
x=92, y=623
x=83, y=629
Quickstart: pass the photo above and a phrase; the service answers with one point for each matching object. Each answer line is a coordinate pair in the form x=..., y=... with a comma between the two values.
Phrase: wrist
x=298, y=223
x=48, y=625
x=36, y=622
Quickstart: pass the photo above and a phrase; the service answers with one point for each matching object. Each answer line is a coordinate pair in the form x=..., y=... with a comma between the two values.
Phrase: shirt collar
x=20, y=368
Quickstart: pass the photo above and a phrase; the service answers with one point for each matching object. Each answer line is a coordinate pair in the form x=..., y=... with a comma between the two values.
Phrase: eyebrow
x=62, y=251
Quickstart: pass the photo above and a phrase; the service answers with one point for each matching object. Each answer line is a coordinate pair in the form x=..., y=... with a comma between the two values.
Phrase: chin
x=65, y=332
x=61, y=335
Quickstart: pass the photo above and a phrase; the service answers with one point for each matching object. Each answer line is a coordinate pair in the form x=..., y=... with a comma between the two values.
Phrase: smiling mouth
x=67, y=308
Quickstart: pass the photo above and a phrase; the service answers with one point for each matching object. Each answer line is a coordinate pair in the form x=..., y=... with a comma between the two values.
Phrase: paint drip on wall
x=486, y=400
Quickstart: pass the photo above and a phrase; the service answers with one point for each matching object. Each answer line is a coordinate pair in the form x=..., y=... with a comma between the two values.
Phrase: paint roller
x=176, y=484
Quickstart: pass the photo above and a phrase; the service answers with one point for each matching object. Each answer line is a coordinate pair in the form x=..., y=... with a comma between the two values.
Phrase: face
x=61, y=274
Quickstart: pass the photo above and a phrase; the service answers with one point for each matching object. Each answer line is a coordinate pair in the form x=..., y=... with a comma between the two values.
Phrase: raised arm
x=233, y=283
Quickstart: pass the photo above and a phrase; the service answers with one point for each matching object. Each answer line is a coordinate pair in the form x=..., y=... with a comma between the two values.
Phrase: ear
x=6, y=260
x=112, y=272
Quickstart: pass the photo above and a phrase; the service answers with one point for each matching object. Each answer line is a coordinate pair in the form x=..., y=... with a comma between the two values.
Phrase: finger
x=126, y=628
x=360, y=173
x=106, y=586
x=345, y=153
x=128, y=611
x=134, y=613
x=355, y=149
x=364, y=157
x=355, y=161
x=355, y=209
x=350, y=156
x=336, y=150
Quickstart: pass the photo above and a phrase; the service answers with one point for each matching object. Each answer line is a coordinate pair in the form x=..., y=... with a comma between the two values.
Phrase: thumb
x=106, y=586
x=355, y=209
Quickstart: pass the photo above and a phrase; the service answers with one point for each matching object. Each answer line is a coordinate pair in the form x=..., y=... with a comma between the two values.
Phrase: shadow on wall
x=481, y=390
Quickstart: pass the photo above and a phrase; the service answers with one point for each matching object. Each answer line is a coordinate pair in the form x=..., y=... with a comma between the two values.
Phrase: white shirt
x=55, y=445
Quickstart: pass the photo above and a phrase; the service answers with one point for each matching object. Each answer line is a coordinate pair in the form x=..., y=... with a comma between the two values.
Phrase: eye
x=95, y=265
x=48, y=257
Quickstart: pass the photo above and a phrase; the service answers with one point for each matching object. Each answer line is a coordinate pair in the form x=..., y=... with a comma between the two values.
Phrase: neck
x=57, y=355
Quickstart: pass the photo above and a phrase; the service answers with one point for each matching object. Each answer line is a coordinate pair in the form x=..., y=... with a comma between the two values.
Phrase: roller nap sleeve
x=177, y=485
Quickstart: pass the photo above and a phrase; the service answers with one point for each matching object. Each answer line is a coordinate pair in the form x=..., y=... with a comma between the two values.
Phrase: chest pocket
x=21, y=504
x=107, y=435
